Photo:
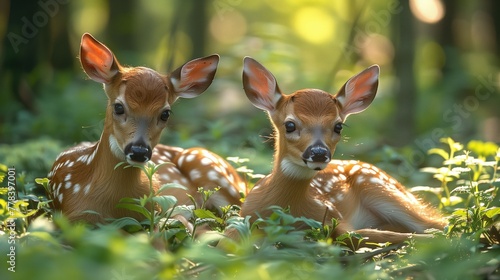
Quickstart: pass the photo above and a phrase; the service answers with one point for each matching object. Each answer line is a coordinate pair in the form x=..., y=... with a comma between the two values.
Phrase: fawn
x=139, y=104
x=308, y=125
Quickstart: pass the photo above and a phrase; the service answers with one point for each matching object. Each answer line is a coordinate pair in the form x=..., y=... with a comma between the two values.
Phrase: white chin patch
x=294, y=170
x=115, y=148
x=316, y=165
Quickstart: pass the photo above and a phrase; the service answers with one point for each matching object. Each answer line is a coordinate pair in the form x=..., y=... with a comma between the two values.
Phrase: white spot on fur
x=206, y=161
x=76, y=188
x=64, y=153
x=194, y=174
x=68, y=177
x=67, y=185
x=354, y=169
x=91, y=157
x=163, y=158
x=190, y=158
x=212, y=175
x=328, y=186
x=184, y=181
x=366, y=165
x=181, y=160
x=167, y=154
x=218, y=169
x=86, y=189
x=83, y=158
x=225, y=184
x=339, y=196
x=60, y=197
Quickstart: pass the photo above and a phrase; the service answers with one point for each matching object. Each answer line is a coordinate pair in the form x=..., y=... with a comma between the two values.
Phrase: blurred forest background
x=439, y=62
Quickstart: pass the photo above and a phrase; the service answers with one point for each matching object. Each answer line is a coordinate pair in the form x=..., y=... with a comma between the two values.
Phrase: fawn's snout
x=138, y=152
x=317, y=156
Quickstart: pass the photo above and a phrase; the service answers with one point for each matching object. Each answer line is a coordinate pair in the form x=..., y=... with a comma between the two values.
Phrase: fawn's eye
x=119, y=109
x=338, y=127
x=164, y=115
x=289, y=127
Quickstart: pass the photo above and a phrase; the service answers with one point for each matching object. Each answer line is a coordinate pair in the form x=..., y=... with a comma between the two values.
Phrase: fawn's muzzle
x=138, y=152
x=317, y=156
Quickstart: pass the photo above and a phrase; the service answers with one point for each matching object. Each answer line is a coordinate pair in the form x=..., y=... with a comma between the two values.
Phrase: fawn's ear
x=260, y=85
x=195, y=76
x=358, y=92
x=97, y=60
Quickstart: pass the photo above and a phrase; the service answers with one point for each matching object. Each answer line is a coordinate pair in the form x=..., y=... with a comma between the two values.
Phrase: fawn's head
x=308, y=122
x=139, y=98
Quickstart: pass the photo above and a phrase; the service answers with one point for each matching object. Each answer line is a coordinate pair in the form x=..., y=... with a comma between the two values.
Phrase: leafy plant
x=470, y=181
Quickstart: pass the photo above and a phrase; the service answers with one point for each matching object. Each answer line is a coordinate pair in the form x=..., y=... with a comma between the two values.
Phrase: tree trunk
x=403, y=130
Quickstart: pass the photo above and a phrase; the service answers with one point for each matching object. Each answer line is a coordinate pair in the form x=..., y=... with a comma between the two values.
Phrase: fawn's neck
x=288, y=185
x=105, y=170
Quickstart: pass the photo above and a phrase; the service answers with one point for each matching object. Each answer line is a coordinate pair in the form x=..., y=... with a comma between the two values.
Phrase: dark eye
x=164, y=115
x=289, y=126
x=338, y=127
x=119, y=109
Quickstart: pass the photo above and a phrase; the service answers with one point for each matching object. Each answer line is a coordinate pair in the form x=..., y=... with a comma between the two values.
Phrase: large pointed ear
x=260, y=85
x=358, y=92
x=97, y=60
x=195, y=76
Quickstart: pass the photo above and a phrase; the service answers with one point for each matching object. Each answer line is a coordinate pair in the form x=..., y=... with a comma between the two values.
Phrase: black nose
x=316, y=153
x=138, y=152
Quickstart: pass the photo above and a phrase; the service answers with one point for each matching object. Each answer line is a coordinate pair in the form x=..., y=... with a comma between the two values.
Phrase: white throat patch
x=293, y=170
x=115, y=148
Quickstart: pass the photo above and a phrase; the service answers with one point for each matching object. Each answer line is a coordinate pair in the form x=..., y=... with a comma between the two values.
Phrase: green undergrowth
x=36, y=243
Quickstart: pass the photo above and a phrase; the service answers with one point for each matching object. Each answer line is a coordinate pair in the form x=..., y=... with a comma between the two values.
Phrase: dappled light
x=428, y=11
x=376, y=48
x=228, y=29
x=314, y=24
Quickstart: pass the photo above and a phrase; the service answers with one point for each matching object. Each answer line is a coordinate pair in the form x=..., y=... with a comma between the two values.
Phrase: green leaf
x=481, y=148
x=204, y=214
x=454, y=200
x=165, y=201
x=460, y=212
x=238, y=159
x=171, y=186
x=91, y=212
x=119, y=164
x=439, y=152
x=177, y=232
x=310, y=222
x=42, y=181
x=129, y=200
x=136, y=208
x=490, y=213
x=131, y=224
